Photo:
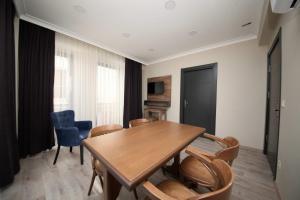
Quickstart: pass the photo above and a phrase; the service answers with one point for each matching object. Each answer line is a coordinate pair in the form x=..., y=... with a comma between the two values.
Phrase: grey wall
x=288, y=175
x=288, y=178
x=241, y=88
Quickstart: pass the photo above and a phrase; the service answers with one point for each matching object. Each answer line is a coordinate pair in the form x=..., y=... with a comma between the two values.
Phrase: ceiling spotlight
x=79, y=9
x=126, y=35
x=170, y=5
x=192, y=33
x=247, y=24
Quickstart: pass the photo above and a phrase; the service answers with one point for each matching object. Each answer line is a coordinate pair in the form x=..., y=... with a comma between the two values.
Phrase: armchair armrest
x=83, y=125
x=155, y=192
x=68, y=136
x=216, y=139
x=193, y=151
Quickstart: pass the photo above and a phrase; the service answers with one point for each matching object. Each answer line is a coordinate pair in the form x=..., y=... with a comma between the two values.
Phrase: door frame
x=277, y=40
x=196, y=68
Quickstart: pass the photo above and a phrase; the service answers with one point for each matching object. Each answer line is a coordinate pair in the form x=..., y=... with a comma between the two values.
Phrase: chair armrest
x=68, y=136
x=83, y=125
x=216, y=139
x=155, y=193
x=193, y=151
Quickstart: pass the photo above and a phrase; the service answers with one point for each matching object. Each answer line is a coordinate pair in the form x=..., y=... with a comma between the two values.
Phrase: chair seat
x=83, y=134
x=176, y=190
x=193, y=169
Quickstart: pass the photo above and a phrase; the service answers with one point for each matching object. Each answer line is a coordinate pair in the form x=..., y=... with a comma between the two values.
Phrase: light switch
x=279, y=164
x=283, y=103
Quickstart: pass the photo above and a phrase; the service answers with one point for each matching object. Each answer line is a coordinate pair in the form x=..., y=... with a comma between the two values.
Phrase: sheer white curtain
x=89, y=81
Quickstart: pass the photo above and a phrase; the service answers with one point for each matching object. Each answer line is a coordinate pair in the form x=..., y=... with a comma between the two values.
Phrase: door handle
x=185, y=103
x=277, y=110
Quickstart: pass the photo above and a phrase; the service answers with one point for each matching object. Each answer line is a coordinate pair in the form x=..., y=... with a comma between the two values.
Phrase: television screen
x=156, y=88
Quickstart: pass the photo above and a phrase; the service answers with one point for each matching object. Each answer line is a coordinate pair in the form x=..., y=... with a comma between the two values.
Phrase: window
x=89, y=81
x=62, y=81
x=109, y=98
x=107, y=85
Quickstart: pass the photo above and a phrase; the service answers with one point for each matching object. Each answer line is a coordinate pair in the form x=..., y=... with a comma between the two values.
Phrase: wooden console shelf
x=155, y=113
x=157, y=104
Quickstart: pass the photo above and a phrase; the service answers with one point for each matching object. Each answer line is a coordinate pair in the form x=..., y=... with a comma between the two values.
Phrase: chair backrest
x=63, y=119
x=225, y=176
x=229, y=153
x=138, y=122
x=105, y=129
x=101, y=130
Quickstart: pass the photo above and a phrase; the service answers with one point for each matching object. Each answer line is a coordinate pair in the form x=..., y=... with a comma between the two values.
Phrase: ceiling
x=148, y=31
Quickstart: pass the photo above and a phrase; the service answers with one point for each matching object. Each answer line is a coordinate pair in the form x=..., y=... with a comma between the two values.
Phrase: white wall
x=288, y=178
x=241, y=89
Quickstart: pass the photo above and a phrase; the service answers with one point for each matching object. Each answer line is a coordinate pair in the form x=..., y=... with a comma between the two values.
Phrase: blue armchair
x=69, y=132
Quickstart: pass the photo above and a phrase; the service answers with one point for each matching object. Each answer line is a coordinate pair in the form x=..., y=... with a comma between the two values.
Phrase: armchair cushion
x=83, y=125
x=68, y=136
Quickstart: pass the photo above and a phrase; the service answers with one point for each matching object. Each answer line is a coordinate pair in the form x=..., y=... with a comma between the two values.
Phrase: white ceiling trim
x=22, y=11
x=20, y=7
x=206, y=48
x=40, y=22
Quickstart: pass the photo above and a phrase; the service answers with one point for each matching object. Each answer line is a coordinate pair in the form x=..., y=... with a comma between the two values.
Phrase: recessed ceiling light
x=170, y=5
x=151, y=49
x=126, y=35
x=79, y=9
x=192, y=33
x=247, y=24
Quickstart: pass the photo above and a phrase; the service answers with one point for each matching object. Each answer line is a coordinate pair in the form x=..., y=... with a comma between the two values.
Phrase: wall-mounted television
x=156, y=88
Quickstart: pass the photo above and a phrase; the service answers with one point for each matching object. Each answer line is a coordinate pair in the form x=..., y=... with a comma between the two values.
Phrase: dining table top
x=132, y=155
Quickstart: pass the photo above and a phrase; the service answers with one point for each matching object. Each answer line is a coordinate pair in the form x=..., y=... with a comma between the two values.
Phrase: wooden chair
x=230, y=149
x=96, y=164
x=195, y=171
x=173, y=190
x=138, y=122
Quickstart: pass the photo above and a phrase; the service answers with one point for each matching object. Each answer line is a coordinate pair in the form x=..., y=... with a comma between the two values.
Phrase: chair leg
x=81, y=154
x=92, y=182
x=71, y=149
x=135, y=194
x=163, y=171
x=101, y=181
x=56, y=155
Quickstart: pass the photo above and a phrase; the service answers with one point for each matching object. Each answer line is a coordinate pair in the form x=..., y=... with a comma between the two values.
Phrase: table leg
x=111, y=186
x=174, y=168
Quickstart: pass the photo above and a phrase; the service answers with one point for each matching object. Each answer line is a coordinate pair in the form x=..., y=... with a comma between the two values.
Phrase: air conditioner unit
x=283, y=6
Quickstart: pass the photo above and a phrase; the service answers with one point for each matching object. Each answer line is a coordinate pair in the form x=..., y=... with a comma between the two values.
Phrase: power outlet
x=279, y=165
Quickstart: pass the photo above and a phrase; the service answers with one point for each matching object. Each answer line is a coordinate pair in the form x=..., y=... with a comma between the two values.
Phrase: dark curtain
x=9, y=161
x=36, y=82
x=133, y=91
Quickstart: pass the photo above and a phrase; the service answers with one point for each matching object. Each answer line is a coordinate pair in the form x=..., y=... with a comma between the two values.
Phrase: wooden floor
x=39, y=179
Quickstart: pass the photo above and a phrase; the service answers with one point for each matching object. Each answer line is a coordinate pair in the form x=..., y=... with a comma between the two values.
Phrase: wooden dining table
x=130, y=156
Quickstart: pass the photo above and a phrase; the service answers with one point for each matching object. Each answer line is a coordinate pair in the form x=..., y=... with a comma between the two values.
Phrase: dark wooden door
x=198, y=96
x=273, y=104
